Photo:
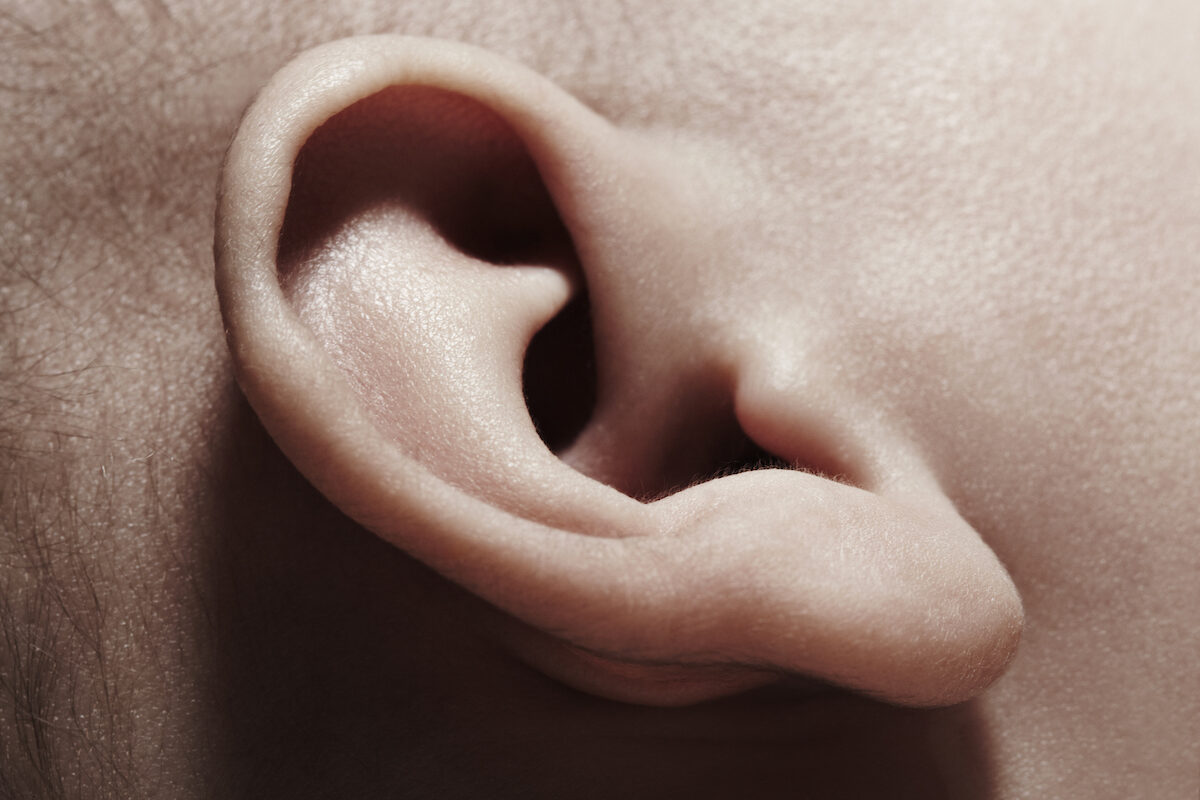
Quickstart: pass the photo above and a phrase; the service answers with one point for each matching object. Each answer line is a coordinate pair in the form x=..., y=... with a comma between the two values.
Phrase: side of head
x=931, y=267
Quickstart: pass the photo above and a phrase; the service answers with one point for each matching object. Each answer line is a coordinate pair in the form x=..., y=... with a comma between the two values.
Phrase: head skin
x=945, y=255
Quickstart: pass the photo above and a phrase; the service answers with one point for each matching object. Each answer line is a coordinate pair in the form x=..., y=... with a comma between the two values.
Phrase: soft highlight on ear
x=398, y=219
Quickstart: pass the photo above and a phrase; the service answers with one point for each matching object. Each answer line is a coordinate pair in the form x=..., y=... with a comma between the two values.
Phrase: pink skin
x=948, y=255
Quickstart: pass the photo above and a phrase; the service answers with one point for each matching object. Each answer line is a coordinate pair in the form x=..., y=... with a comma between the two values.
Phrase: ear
x=398, y=219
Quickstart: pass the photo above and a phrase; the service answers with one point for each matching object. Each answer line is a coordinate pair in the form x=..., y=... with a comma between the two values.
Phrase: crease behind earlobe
x=381, y=338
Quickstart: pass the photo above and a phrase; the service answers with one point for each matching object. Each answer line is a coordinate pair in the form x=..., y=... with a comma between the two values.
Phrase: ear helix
x=385, y=344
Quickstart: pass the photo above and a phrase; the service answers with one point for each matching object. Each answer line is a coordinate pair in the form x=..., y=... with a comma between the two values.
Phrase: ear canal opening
x=559, y=375
x=745, y=455
x=734, y=452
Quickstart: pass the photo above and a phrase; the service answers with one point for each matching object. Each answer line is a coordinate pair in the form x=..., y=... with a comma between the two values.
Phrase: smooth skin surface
x=947, y=253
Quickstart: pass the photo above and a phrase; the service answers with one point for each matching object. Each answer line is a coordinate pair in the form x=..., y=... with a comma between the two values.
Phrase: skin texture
x=945, y=253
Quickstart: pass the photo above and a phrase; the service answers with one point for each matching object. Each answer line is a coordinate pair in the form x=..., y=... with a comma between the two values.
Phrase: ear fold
x=398, y=218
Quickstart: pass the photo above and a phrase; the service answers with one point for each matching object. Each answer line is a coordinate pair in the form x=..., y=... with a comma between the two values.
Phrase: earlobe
x=398, y=218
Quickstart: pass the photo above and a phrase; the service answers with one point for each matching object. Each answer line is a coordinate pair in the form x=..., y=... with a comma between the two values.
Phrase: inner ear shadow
x=559, y=375
x=439, y=157
x=340, y=667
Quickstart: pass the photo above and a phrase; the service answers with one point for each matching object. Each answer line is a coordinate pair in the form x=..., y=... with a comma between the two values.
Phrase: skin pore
x=978, y=224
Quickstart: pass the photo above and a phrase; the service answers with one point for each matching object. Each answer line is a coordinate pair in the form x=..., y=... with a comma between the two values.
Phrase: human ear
x=398, y=218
